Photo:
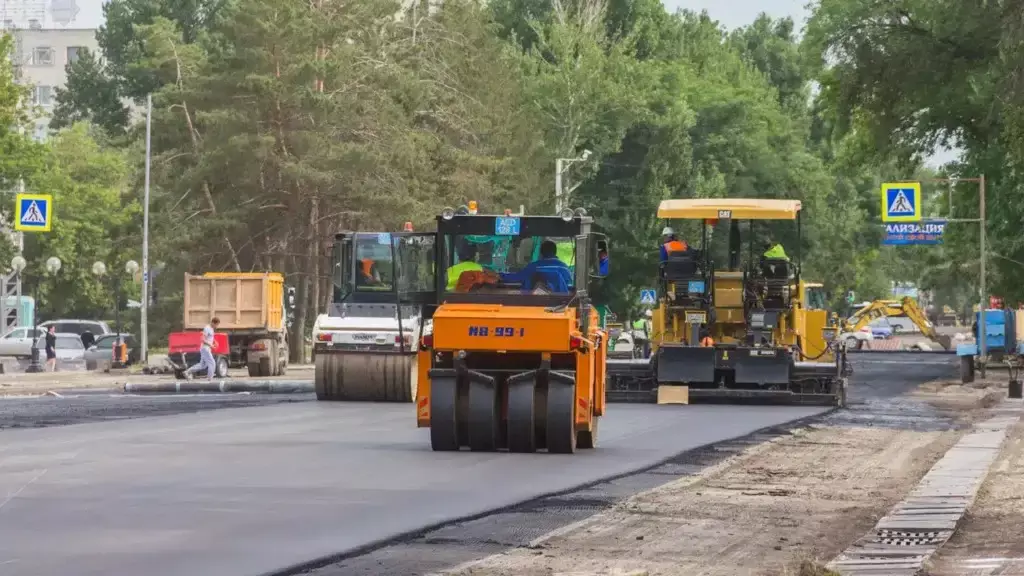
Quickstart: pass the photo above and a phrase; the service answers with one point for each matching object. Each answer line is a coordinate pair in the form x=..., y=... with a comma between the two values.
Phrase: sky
x=735, y=13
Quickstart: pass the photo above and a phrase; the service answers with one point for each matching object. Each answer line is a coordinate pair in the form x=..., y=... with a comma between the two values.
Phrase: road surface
x=249, y=491
x=877, y=398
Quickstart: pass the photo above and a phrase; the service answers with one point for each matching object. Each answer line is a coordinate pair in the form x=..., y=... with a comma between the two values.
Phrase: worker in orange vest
x=670, y=244
x=369, y=274
x=706, y=341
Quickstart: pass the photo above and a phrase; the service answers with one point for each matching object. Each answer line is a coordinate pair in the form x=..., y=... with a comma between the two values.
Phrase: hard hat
x=649, y=314
x=408, y=227
x=472, y=206
x=667, y=231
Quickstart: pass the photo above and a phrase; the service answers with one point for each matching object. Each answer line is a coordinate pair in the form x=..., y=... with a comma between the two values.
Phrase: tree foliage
x=280, y=123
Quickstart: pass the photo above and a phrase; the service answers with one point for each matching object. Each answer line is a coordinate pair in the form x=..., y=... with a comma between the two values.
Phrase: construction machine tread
x=560, y=429
x=365, y=377
x=484, y=416
x=444, y=423
x=521, y=424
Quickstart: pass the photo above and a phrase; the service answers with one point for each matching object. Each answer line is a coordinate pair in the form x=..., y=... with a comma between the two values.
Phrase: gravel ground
x=717, y=510
x=990, y=539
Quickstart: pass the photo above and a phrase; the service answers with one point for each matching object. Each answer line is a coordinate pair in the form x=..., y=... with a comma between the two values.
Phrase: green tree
x=90, y=94
x=93, y=216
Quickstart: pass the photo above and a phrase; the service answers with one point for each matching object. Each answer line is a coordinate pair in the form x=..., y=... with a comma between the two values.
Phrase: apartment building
x=48, y=34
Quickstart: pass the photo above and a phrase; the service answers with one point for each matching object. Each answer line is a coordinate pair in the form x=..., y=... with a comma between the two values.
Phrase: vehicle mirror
x=602, y=259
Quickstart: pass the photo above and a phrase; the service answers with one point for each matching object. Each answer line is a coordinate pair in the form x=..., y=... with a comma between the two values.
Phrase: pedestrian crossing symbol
x=901, y=202
x=34, y=212
x=649, y=297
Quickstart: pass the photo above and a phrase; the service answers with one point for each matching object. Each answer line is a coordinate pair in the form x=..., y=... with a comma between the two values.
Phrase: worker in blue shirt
x=548, y=268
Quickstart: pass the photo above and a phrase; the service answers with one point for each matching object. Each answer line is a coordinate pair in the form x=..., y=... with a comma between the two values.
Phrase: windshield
x=816, y=298
x=510, y=264
x=366, y=263
x=374, y=263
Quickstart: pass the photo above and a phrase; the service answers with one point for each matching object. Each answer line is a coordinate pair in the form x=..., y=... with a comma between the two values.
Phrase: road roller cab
x=516, y=358
x=364, y=347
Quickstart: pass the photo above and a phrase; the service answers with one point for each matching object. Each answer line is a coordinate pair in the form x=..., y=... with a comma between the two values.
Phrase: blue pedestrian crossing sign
x=901, y=202
x=34, y=212
x=649, y=297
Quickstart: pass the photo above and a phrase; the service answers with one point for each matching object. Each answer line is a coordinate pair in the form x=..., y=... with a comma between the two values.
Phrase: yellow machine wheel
x=365, y=377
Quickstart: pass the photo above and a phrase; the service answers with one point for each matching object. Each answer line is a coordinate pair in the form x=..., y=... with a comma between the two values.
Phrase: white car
x=69, y=347
x=17, y=342
x=856, y=340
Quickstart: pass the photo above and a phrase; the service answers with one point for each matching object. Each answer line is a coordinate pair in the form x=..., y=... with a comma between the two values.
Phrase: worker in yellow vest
x=466, y=251
x=775, y=251
x=566, y=252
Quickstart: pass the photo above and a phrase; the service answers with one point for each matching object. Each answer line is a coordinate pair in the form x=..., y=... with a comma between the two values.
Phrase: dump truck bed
x=251, y=302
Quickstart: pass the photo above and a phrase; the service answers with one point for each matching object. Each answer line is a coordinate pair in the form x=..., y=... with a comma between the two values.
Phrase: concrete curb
x=220, y=387
x=902, y=541
x=902, y=351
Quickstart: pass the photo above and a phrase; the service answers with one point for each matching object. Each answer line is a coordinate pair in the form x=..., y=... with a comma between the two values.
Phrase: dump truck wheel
x=221, y=370
x=966, y=369
x=561, y=418
x=264, y=367
x=521, y=426
x=588, y=438
x=254, y=369
x=484, y=417
x=444, y=426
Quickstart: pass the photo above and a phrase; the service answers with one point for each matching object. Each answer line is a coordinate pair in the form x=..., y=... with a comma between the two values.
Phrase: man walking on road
x=206, y=352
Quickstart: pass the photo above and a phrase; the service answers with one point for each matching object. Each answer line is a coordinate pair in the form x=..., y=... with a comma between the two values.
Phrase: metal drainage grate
x=907, y=538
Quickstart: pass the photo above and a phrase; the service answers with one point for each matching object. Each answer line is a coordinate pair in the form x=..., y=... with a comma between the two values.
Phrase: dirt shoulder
x=805, y=496
x=35, y=384
x=990, y=539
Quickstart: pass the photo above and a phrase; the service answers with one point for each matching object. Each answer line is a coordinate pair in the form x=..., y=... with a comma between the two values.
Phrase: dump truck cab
x=746, y=327
x=516, y=357
x=364, y=346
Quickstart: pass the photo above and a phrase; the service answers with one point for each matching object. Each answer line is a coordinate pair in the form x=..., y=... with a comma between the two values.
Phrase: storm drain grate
x=903, y=541
x=908, y=538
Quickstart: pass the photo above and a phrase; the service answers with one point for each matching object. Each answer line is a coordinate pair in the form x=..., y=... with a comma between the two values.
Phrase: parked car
x=97, y=327
x=69, y=347
x=17, y=342
x=856, y=340
x=882, y=329
x=102, y=352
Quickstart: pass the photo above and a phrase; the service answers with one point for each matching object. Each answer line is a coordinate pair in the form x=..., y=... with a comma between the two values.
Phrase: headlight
x=566, y=214
x=829, y=334
x=448, y=213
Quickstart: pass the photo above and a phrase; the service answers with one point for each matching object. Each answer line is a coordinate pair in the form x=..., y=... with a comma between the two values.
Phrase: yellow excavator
x=892, y=308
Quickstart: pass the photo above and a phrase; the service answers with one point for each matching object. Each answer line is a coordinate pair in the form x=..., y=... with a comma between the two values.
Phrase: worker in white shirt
x=206, y=351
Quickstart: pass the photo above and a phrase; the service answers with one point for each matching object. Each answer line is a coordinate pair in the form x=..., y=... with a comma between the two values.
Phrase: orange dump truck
x=252, y=312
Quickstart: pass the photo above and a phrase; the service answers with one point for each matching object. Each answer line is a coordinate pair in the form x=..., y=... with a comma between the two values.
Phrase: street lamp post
x=52, y=267
x=100, y=270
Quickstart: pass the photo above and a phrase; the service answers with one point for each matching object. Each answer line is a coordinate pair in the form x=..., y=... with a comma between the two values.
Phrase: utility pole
x=560, y=165
x=145, y=240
